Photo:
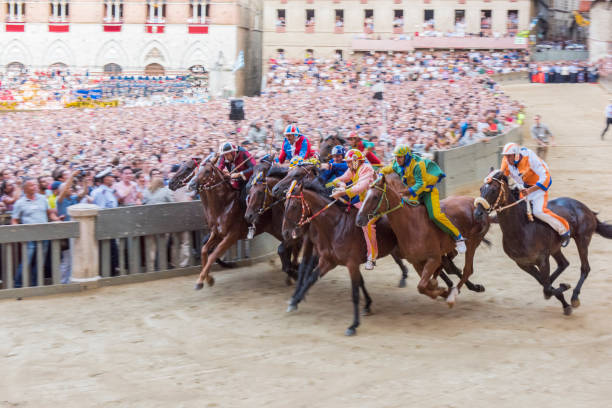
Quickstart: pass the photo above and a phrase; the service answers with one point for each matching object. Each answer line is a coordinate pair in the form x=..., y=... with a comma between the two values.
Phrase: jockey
x=336, y=167
x=421, y=176
x=237, y=161
x=365, y=147
x=361, y=174
x=295, y=144
x=532, y=175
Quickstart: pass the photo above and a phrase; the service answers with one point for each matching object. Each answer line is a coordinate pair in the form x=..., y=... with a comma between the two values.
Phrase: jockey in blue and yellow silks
x=335, y=168
x=421, y=176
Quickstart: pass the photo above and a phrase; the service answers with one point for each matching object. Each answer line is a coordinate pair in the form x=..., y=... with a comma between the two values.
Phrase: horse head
x=185, y=173
x=209, y=175
x=382, y=197
x=327, y=144
x=494, y=192
x=298, y=174
x=258, y=192
x=296, y=209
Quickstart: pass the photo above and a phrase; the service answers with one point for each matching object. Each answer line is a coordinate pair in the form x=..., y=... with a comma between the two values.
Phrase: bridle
x=210, y=184
x=501, y=198
x=375, y=215
x=305, y=217
x=187, y=177
x=260, y=179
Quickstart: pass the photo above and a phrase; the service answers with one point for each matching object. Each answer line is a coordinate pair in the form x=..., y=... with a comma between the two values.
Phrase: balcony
x=198, y=25
x=59, y=26
x=15, y=24
x=154, y=28
x=112, y=25
x=456, y=43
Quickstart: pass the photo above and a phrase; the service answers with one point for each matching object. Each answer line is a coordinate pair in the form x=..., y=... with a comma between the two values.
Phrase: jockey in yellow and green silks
x=421, y=176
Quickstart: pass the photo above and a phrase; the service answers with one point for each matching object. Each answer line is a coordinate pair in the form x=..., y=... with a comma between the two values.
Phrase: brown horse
x=309, y=173
x=530, y=244
x=422, y=243
x=336, y=238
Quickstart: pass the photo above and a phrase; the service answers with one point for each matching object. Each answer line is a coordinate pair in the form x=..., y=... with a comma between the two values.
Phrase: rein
x=304, y=218
x=374, y=216
x=502, y=195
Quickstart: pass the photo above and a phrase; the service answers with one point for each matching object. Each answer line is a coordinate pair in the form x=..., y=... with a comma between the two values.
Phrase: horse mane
x=278, y=171
x=316, y=186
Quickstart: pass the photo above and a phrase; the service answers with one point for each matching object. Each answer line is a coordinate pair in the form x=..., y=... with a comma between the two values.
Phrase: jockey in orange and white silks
x=531, y=173
x=361, y=174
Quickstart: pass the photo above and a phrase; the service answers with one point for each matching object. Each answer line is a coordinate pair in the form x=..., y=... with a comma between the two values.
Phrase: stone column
x=195, y=11
x=109, y=6
x=85, y=255
x=10, y=4
x=20, y=16
x=150, y=12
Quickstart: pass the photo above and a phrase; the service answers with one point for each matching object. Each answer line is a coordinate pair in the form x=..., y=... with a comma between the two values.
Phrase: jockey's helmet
x=511, y=149
x=336, y=150
x=292, y=130
x=227, y=147
x=402, y=151
x=354, y=154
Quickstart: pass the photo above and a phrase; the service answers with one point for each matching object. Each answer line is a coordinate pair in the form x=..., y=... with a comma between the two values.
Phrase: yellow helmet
x=401, y=151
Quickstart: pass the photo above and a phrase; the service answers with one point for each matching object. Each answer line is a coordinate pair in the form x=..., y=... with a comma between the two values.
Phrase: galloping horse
x=530, y=244
x=308, y=173
x=336, y=238
x=422, y=243
x=223, y=211
x=263, y=209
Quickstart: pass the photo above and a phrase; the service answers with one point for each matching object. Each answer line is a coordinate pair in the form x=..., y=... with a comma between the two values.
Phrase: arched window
x=17, y=67
x=154, y=69
x=112, y=68
x=58, y=66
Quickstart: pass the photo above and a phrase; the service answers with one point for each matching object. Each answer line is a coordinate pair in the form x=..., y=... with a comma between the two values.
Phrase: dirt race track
x=160, y=344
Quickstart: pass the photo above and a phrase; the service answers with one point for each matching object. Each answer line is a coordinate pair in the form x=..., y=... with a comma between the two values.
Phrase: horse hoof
x=575, y=303
x=366, y=312
x=450, y=304
x=402, y=283
x=210, y=281
x=288, y=281
x=547, y=296
x=564, y=286
x=291, y=308
x=567, y=310
x=350, y=331
x=479, y=288
x=199, y=286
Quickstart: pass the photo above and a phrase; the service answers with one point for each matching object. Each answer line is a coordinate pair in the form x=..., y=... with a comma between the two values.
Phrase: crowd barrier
x=560, y=55
x=113, y=246
x=468, y=165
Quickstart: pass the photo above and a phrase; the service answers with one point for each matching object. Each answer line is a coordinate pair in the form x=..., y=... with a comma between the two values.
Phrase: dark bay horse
x=422, y=243
x=337, y=240
x=223, y=211
x=309, y=173
x=262, y=208
x=531, y=244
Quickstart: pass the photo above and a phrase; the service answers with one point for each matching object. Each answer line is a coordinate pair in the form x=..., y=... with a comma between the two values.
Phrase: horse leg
x=284, y=253
x=468, y=269
x=562, y=264
x=403, y=267
x=425, y=286
x=368, y=300
x=355, y=284
x=308, y=276
x=223, y=246
x=583, y=251
x=446, y=280
x=206, y=248
x=549, y=289
x=450, y=267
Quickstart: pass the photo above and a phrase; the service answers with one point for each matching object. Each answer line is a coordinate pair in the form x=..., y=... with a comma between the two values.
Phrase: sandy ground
x=161, y=344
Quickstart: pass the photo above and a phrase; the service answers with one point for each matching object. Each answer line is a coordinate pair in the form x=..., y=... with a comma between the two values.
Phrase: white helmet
x=511, y=148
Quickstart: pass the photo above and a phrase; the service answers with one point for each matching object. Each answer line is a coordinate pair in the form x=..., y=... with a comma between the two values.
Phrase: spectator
x=32, y=208
x=543, y=137
x=126, y=190
x=10, y=194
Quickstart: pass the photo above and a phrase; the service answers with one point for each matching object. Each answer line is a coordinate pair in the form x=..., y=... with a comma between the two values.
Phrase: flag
x=239, y=62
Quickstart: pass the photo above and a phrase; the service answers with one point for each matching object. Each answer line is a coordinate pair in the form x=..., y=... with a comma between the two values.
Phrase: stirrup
x=565, y=239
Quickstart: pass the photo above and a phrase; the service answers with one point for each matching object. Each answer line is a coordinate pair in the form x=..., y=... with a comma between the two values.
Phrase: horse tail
x=604, y=229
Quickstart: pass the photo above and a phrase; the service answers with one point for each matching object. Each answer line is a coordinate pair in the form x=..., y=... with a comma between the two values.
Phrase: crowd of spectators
x=563, y=72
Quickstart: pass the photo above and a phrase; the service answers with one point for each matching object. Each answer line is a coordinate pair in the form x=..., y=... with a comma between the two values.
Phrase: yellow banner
x=581, y=21
x=8, y=105
x=89, y=103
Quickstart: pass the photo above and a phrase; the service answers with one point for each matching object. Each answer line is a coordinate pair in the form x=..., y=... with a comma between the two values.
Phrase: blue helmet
x=338, y=150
